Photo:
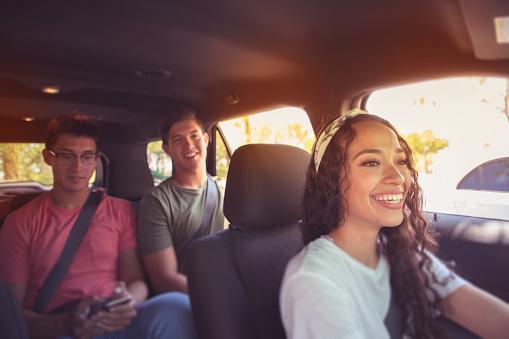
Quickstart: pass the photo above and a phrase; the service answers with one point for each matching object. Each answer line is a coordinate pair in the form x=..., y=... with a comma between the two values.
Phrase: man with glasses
x=106, y=263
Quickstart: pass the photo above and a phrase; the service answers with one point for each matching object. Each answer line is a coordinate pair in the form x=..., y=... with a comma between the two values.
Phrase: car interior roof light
x=50, y=89
x=502, y=29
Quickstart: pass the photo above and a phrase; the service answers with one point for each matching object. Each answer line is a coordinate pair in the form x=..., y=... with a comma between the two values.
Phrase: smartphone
x=117, y=301
x=107, y=304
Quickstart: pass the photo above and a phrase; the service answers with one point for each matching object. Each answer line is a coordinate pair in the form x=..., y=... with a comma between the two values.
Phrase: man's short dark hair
x=75, y=124
x=179, y=114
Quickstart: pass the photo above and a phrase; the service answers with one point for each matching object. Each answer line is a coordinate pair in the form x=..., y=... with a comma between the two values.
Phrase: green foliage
x=424, y=145
x=222, y=157
x=159, y=162
x=24, y=162
x=295, y=134
x=292, y=134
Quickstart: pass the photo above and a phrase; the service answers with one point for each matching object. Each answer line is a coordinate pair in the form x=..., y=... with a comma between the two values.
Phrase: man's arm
x=131, y=285
x=14, y=250
x=478, y=311
x=38, y=324
x=161, y=268
x=156, y=247
x=73, y=323
x=130, y=272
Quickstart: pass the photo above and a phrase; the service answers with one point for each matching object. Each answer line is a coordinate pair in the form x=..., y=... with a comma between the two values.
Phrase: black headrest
x=128, y=173
x=265, y=185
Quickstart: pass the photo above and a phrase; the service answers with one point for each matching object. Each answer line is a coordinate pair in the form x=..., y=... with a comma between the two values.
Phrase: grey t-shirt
x=170, y=215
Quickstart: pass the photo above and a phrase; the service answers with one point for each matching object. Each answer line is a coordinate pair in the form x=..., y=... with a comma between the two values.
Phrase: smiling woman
x=366, y=237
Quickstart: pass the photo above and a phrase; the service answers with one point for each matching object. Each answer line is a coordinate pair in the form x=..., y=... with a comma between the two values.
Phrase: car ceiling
x=129, y=62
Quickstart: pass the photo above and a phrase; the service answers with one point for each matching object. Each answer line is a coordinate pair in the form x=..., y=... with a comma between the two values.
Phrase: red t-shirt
x=33, y=237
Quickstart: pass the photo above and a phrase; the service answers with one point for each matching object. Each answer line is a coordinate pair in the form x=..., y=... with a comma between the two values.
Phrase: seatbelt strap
x=211, y=197
x=59, y=270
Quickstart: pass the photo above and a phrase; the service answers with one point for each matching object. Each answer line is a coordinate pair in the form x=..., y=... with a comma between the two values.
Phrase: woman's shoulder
x=317, y=259
x=315, y=273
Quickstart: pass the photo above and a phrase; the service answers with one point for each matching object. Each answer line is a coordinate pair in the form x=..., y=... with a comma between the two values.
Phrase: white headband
x=328, y=132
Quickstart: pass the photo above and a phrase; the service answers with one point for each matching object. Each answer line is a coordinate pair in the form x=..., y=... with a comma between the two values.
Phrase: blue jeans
x=165, y=316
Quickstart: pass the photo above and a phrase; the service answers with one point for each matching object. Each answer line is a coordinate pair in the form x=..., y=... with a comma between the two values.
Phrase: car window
x=289, y=126
x=472, y=180
x=23, y=162
x=490, y=176
x=222, y=159
x=496, y=176
x=457, y=128
x=159, y=162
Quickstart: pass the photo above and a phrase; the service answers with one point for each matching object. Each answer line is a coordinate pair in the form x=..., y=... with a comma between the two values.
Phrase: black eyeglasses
x=68, y=158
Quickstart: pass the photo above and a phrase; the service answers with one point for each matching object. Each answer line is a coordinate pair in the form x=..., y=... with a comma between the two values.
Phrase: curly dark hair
x=405, y=246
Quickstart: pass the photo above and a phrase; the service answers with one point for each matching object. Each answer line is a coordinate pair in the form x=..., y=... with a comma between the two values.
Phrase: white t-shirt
x=327, y=294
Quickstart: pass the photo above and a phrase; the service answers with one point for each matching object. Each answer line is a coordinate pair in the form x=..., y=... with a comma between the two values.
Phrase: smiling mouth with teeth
x=190, y=155
x=390, y=198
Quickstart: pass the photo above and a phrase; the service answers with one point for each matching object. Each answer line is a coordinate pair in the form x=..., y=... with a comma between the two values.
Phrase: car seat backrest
x=127, y=171
x=234, y=276
x=14, y=200
x=20, y=200
x=265, y=186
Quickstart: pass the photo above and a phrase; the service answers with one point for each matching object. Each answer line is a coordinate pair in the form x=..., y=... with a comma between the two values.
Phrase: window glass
x=222, y=160
x=472, y=181
x=496, y=176
x=24, y=162
x=454, y=125
x=158, y=161
x=290, y=126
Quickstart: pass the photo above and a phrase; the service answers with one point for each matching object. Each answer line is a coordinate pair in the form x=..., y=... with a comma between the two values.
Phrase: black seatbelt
x=211, y=197
x=71, y=246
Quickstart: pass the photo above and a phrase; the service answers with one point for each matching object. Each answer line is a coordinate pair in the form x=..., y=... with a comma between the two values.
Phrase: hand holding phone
x=108, y=303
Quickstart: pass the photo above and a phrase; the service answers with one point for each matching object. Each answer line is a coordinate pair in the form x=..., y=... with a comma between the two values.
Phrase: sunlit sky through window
x=272, y=127
x=466, y=111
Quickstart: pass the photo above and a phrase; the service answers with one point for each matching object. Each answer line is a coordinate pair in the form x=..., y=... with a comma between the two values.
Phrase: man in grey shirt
x=171, y=214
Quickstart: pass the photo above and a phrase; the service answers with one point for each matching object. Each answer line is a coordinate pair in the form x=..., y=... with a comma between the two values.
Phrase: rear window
x=159, y=162
x=289, y=126
x=23, y=162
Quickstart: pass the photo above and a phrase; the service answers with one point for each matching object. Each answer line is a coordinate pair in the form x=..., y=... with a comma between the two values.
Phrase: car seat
x=234, y=276
x=11, y=201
